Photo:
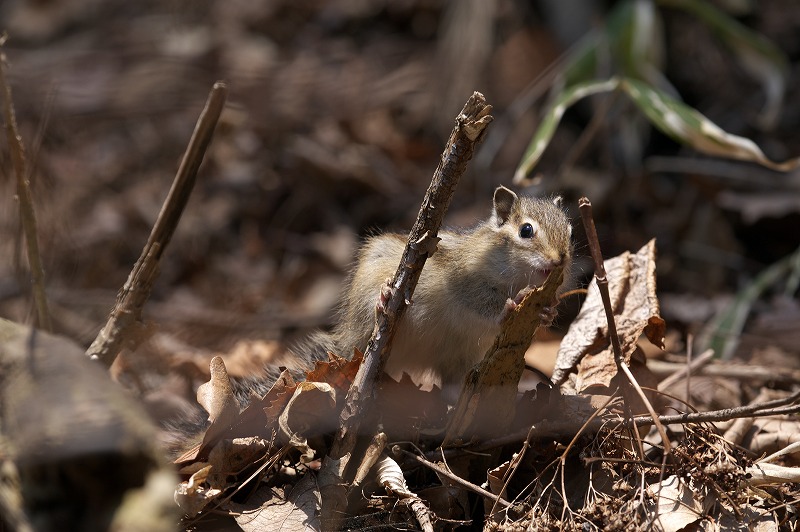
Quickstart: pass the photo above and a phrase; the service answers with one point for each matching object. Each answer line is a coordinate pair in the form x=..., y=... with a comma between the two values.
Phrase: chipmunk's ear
x=557, y=201
x=504, y=200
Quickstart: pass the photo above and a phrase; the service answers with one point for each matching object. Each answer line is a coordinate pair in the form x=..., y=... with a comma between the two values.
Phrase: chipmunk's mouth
x=538, y=276
x=538, y=273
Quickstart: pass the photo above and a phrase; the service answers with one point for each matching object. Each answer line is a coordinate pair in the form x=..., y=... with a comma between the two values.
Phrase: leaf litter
x=571, y=463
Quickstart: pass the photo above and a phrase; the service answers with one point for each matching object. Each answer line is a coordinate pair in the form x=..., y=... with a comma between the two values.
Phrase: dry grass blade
x=134, y=294
x=25, y=198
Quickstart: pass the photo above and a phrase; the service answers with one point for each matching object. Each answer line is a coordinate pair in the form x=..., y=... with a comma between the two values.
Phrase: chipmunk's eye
x=526, y=230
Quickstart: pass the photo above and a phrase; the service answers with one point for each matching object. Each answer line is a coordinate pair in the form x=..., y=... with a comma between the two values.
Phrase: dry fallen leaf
x=772, y=434
x=337, y=371
x=496, y=478
x=295, y=404
x=312, y=408
x=676, y=505
x=192, y=496
x=278, y=396
x=258, y=419
x=229, y=457
x=632, y=287
x=216, y=395
x=272, y=510
x=310, y=412
x=390, y=476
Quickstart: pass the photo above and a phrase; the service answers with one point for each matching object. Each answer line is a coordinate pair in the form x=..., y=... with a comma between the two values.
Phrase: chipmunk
x=466, y=289
x=464, y=292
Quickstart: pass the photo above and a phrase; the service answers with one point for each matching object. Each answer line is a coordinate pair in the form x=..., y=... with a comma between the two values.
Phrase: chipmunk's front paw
x=385, y=295
x=512, y=304
x=548, y=315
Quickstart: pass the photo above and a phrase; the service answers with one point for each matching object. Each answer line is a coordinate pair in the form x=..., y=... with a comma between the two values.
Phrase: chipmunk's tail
x=182, y=432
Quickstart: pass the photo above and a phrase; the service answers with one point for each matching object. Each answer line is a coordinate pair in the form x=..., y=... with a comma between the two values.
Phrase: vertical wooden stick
x=24, y=197
x=136, y=290
x=469, y=130
x=585, y=208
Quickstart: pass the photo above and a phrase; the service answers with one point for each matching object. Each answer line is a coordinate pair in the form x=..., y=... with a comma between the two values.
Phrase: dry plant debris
x=572, y=462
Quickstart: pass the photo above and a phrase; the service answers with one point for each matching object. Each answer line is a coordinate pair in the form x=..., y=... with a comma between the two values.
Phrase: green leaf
x=550, y=121
x=676, y=119
x=689, y=126
x=630, y=43
x=635, y=33
x=723, y=333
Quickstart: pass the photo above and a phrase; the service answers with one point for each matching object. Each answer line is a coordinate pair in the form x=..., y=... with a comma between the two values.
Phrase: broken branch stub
x=486, y=404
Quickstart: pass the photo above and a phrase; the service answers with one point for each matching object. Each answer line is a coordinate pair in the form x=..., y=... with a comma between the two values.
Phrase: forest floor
x=336, y=118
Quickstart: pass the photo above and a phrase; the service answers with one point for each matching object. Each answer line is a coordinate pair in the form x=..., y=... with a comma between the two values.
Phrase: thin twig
x=134, y=294
x=26, y=211
x=585, y=208
x=770, y=408
x=469, y=130
x=737, y=430
x=745, y=372
x=450, y=475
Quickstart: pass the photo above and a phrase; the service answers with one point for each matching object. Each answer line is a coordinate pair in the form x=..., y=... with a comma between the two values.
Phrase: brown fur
x=463, y=289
